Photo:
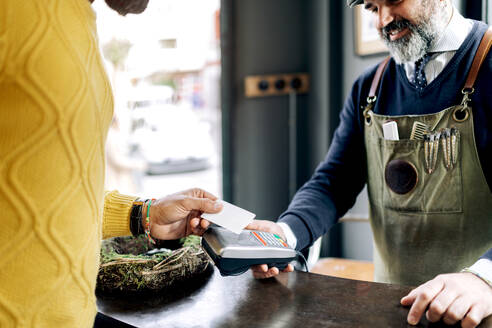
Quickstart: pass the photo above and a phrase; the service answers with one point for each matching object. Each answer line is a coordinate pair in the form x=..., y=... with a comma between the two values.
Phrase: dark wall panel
x=269, y=37
x=283, y=36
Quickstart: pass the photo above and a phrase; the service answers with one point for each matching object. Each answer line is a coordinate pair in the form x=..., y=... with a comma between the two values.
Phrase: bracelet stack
x=147, y=223
x=136, y=227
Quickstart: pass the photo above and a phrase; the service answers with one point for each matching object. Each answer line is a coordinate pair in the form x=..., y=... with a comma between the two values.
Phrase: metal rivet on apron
x=461, y=114
x=401, y=176
x=367, y=113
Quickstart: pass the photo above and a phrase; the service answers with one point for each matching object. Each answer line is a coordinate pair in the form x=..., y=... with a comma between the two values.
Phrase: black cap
x=352, y=3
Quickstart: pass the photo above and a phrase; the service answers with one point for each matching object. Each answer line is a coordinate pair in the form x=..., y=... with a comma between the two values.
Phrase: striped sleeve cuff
x=116, y=214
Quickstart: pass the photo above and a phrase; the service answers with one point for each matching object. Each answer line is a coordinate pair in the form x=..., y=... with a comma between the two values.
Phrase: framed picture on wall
x=367, y=40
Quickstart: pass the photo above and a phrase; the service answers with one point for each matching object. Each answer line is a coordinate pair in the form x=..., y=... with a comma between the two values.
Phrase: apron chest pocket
x=407, y=187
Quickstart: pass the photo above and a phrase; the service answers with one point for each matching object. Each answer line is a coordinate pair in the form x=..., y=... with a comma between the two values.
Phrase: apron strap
x=480, y=55
x=377, y=78
x=371, y=99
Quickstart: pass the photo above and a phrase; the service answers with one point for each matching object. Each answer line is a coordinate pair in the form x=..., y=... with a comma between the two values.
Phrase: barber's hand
x=262, y=271
x=178, y=215
x=451, y=297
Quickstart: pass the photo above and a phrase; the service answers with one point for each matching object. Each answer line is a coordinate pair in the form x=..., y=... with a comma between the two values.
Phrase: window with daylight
x=164, y=66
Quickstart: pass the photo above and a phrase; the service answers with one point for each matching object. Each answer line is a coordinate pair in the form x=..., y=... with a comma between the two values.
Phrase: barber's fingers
x=289, y=268
x=473, y=317
x=263, y=272
x=431, y=287
x=440, y=304
x=420, y=298
x=456, y=311
x=267, y=226
x=256, y=225
x=261, y=268
x=409, y=299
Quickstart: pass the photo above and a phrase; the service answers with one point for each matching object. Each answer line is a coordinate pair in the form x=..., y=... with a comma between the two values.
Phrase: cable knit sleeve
x=116, y=214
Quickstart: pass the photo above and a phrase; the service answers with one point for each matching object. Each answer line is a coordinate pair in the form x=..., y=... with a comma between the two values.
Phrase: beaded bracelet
x=147, y=222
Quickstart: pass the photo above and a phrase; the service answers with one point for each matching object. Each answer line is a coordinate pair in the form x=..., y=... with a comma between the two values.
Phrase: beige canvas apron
x=426, y=223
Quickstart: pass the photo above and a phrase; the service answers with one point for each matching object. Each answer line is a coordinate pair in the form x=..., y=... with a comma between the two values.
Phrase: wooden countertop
x=295, y=299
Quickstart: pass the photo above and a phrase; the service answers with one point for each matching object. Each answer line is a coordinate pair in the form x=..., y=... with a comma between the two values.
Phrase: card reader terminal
x=234, y=254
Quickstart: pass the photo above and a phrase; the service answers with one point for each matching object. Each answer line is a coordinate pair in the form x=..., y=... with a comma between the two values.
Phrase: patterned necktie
x=419, y=79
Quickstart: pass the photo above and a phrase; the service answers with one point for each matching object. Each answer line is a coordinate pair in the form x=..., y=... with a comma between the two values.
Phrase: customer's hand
x=262, y=271
x=451, y=297
x=178, y=215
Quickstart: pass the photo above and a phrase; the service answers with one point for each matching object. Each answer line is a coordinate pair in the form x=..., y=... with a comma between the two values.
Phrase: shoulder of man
x=362, y=84
x=486, y=67
x=488, y=255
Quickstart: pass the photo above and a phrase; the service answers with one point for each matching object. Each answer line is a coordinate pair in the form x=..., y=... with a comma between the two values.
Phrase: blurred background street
x=164, y=66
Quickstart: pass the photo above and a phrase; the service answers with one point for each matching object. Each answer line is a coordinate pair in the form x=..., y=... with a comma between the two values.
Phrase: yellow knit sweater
x=55, y=108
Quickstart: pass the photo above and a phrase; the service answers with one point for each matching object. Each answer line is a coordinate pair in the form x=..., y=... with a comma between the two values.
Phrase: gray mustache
x=395, y=25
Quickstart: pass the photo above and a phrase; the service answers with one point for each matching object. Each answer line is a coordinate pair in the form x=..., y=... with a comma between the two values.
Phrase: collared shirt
x=444, y=48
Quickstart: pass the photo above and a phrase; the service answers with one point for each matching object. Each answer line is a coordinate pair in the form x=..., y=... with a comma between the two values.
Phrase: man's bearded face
x=429, y=23
x=124, y=7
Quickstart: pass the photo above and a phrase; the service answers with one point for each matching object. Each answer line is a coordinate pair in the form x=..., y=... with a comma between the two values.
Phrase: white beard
x=422, y=35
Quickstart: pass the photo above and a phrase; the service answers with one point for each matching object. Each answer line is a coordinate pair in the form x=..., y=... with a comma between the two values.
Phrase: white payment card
x=230, y=217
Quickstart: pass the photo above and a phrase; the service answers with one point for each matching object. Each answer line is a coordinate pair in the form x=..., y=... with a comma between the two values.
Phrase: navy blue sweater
x=337, y=181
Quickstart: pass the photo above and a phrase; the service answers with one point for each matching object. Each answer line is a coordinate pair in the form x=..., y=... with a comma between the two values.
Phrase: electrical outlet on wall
x=276, y=84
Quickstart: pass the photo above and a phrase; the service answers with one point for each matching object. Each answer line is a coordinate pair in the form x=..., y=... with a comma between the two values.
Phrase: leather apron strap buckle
x=462, y=113
x=371, y=100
